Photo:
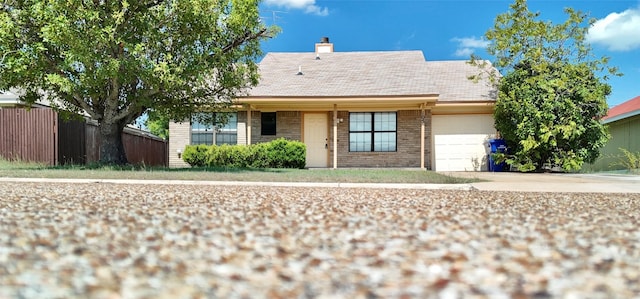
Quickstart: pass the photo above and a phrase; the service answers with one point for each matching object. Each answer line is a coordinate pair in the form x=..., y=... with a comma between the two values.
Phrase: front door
x=316, y=139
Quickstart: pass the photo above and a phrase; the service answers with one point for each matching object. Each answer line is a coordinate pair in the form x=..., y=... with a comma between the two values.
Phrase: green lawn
x=23, y=170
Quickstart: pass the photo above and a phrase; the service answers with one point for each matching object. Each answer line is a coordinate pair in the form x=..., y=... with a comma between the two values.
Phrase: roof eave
x=343, y=96
x=621, y=116
x=303, y=103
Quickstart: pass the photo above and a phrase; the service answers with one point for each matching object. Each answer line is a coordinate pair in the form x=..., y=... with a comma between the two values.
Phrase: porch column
x=422, y=119
x=248, y=124
x=335, y=136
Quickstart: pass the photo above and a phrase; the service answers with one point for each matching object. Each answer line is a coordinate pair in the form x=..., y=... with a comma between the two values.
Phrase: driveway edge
x=461, y=187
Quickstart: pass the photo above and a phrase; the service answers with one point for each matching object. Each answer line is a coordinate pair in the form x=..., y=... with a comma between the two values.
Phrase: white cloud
x=617, y=31
x=400, y=44
x=317, y=10
x=309, y=6
x=468, y=45
x=463, y=52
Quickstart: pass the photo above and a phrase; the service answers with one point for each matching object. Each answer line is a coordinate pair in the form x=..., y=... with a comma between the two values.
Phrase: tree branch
x=4, y=56
x=150, y=92
x=248, y=35
x=80, y=103
x=152, y=4
x=124, y=113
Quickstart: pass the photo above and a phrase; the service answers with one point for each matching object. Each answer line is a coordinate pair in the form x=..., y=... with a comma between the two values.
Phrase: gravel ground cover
x=144, y=241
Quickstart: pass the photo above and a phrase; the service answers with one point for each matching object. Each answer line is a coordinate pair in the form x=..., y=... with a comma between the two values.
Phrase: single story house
x=623, y=121
x=360, y=109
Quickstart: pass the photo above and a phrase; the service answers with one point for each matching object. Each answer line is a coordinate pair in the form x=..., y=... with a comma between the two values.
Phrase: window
x=372, y=132
x=268, y=123
x=228, y=134
x=207, y=133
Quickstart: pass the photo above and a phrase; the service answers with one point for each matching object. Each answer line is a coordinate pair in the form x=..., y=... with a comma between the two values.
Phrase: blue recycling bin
x=497, y=146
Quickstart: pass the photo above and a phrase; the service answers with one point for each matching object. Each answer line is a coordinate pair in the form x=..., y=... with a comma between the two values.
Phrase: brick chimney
x=324, y=46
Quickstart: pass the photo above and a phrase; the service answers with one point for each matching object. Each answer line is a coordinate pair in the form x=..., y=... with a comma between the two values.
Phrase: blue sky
x=449, y=30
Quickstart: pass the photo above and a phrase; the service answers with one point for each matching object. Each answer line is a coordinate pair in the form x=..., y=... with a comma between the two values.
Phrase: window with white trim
x=372, y=131
x=211, y=133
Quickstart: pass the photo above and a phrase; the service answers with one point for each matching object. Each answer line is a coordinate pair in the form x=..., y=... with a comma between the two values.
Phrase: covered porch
x=327, y=126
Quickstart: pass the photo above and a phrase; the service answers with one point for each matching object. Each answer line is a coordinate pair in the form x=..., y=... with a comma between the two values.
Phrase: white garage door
x=460, y=142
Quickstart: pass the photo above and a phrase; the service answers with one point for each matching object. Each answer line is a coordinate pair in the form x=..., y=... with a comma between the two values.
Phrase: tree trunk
x=111, y=146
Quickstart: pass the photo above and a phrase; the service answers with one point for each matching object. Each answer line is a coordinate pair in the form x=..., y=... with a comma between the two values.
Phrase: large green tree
x=553, y=92
x=114, y=60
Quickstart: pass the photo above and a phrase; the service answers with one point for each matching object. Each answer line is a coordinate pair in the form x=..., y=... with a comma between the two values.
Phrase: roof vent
x=317, y=56
x=300, y=71
x=324, y=40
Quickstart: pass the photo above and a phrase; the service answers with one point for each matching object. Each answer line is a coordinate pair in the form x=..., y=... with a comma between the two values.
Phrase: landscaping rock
x=179, y=241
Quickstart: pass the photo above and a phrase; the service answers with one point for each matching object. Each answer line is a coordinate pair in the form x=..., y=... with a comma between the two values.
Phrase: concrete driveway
x=553, y=182
x=492, y=181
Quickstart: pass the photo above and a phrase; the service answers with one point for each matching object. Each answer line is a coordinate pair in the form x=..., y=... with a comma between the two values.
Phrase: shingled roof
x=452, y=82
x=389, y=73
x=393, y=73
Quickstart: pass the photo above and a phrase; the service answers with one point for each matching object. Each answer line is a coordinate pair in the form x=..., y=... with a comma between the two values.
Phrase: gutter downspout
x=335, y=136
x=422, y=119
x=248, y=124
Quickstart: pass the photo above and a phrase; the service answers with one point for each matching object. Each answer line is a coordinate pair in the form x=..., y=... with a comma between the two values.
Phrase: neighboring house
x=9, y=99
x=623, y=121
x=361, y=109
x=40, y=135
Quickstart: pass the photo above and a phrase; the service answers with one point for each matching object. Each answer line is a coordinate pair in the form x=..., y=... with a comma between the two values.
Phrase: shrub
x=279, y=153
x=286, y=154
x=629, y=160
x=196, y=155
x=258, y=156
x=228, y=156
x=239, y=156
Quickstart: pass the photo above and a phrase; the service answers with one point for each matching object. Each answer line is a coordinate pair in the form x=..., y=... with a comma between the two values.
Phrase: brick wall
x=179, y=138
x=408, y=144
x=288, y=125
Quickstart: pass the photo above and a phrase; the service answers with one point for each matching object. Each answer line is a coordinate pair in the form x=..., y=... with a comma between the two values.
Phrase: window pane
x=228, y=134
x=197, y=125
x=360, y=121
x=360, y=142
x=385, y=121
x=202, y=138
x=207, y=133
x=384, y=142
x=201, y=133
x=268, y=123
x=232, y=122
x=353, y=121
x=226, y=138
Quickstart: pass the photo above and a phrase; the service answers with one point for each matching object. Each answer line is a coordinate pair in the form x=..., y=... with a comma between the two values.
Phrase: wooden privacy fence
x=39, y=135
x=29, y=135
x=139, y=146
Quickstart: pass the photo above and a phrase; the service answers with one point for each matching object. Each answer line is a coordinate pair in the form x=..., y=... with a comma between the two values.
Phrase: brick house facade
x=379, y=104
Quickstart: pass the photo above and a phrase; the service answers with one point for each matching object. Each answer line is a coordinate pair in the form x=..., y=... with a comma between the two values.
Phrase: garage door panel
x=461, y=152
x=461, y=142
